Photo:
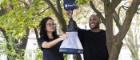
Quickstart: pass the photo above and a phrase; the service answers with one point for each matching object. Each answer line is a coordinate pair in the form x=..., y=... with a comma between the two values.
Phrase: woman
x=49, y=40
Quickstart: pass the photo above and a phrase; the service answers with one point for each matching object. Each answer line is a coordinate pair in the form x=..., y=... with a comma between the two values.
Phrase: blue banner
x=70, y=4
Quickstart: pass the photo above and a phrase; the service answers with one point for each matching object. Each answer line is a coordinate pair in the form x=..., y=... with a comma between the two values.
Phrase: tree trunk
x=115, y=50
x=6, y=38
x=19, y=49
x=37, y=35
x=22, y=46
x=114, y=43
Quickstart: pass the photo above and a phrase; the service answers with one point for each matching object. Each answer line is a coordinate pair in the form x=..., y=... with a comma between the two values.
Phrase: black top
x=51, y=53
x=94, y=44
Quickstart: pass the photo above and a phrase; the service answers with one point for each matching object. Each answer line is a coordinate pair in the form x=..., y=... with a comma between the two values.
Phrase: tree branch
x=97, y=11
x=59, y=7
x=39, y=13
x=119, y=10
x=115, y=3
x=60, y=11
x=109, y=24
x=129, y=16
x=106, y=1
x=2, y=11
x=52, y=7
x=37, y=37
x=36, y=33
x=4, y=33
x=117, y=19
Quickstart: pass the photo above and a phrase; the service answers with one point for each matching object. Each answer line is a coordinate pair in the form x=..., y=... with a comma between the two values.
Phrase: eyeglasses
x=51, y=24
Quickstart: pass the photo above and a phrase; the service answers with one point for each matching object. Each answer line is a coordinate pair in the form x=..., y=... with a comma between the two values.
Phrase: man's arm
x=81, y=32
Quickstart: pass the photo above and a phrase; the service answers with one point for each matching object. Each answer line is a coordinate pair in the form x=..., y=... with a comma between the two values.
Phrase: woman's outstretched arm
x=52, y=43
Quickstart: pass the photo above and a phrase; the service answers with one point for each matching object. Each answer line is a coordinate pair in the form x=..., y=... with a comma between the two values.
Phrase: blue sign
x=70, y=4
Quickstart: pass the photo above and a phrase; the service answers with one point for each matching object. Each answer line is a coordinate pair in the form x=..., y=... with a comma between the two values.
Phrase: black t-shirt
x=94, y=44
x=51, y=53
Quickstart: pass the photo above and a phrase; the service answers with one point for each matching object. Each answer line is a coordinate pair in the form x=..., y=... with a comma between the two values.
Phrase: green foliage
x=17, y=19
x=81, y=2
x=39, y=54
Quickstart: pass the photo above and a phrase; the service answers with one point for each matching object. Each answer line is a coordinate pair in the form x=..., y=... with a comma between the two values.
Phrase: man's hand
x=69, y=13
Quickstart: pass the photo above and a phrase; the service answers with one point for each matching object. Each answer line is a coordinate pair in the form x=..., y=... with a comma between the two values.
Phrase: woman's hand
x=62, y=37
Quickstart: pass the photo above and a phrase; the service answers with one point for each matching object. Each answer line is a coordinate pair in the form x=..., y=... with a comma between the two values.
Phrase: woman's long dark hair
x=43, y=32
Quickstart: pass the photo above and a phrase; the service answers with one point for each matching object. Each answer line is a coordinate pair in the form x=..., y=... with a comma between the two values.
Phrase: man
x=93, y=40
